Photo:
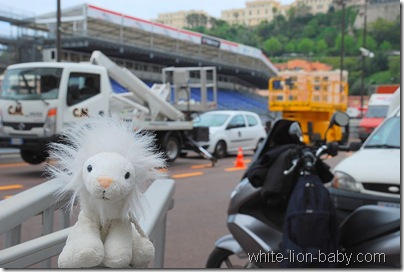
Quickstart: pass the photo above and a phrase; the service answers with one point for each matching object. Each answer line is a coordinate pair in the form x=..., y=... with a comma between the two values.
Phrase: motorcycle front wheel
x=223, y=258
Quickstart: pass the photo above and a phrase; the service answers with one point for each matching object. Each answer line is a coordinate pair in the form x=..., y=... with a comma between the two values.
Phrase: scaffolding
x=311, y=103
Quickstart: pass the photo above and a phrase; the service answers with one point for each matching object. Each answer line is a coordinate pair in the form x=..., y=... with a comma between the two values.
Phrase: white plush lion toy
x=105, y=162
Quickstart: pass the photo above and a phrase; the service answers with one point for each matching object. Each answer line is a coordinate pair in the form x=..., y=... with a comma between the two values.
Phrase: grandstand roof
x=87, y=27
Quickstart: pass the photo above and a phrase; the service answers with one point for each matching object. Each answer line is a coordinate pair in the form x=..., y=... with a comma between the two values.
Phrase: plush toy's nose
x=105, y=181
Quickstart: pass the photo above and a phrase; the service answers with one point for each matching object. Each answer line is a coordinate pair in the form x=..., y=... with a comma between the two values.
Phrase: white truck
x=39, y=99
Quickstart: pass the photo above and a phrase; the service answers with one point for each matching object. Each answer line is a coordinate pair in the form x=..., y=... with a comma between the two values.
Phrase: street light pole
x=363, y=57
x=342, y=44
x=58, y=23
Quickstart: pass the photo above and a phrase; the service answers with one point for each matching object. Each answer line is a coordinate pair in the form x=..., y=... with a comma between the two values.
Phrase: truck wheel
x=31, y=157
x=172, y=148
x=220, y=149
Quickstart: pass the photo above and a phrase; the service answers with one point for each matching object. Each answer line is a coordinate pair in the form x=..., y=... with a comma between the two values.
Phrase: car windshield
x=210, y=120
x=31, y=83
x=387, y=136
x=377, y=111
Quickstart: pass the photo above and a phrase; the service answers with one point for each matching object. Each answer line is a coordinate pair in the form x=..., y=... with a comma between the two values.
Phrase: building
x=179, y=19
x=375, y=9
x=315, y=6
x=254, y=13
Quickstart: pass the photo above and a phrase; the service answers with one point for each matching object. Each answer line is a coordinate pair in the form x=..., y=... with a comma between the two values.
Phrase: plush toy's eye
x=89, y=168
x=127, y=175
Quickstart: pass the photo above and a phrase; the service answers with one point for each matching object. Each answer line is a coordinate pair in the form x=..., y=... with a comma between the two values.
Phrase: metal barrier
x=40, y=200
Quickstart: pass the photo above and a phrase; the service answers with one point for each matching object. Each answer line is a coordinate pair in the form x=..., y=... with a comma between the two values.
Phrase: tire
x=220, y=258
x=32, y=157
x=220, y=149
x=171, y=148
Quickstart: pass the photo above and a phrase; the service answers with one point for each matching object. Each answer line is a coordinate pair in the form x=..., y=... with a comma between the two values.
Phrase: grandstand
x=154, y=45
x=146, y=47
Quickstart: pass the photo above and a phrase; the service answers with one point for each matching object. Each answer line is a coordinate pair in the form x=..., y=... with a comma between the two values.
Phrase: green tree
x=272, y=46
x=328, y=34
x=395, y=68
x=311, y=29
x=321, y=47
x=290, y=47
x=383, y=30
x=305, y=46
x=350, y=46
x=385, y=46
x=371, y=43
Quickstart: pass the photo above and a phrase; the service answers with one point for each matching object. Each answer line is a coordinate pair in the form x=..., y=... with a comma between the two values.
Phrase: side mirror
x=295, y=131
x=340, y=119
x=355, y=146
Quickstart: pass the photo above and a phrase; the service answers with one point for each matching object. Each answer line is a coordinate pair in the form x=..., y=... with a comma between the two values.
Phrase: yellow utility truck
x=311, y=102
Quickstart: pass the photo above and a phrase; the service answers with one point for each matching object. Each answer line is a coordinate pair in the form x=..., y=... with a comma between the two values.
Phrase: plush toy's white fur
x=105, y=163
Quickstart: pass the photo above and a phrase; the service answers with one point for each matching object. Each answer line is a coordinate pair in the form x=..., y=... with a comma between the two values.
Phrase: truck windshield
x=377, y=111
x=31, y=83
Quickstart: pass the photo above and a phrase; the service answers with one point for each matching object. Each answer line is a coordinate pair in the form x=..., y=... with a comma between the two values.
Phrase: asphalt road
x=199, y=216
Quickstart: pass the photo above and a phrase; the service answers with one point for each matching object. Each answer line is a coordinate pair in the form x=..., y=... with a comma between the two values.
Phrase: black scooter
x=370, y=236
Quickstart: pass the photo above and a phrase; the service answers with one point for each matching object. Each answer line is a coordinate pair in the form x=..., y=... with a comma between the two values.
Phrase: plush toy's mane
x=91, y=136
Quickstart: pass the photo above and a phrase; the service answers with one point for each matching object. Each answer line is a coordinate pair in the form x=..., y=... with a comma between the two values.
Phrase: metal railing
x=40, y=200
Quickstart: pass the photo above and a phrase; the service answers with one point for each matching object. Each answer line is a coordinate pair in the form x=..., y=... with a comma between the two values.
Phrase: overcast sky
x=144, y=9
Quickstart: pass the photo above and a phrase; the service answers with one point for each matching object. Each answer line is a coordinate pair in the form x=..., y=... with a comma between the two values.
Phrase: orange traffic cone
x=239, y=163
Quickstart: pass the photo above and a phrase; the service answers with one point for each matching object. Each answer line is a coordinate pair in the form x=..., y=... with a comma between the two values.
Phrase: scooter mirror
x=295, y=131
x=340, y=119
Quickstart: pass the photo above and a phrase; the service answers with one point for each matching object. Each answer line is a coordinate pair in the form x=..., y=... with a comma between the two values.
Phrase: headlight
x=345, y=182
x=50, y=123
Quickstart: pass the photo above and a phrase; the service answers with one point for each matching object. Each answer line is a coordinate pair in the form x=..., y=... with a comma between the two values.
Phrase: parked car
x=372, y=174
x=229, y=130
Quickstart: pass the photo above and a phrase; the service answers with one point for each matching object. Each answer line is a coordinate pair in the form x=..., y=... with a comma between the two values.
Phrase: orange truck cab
x=376, y=112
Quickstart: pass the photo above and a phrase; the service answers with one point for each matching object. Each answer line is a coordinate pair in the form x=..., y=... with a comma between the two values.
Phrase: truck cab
x=376, y=112
x=38, y=99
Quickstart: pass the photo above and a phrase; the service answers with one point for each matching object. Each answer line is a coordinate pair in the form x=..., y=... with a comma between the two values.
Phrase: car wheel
x=220, y=149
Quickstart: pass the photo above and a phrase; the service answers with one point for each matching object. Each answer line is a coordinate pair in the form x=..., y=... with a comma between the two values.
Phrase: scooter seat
x=368, y=222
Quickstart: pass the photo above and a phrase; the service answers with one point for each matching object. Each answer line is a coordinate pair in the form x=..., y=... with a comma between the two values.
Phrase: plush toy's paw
x=143, y=252
x=118, y=259
x=89, y=256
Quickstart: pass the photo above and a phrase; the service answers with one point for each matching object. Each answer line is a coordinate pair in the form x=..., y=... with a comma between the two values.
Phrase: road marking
x=11, y=187
x=199, y=166
x=187, y=175
x=231, y=169
x=17, y=164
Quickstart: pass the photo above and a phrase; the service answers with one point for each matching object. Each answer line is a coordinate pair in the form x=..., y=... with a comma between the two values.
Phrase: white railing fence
x=40, y=200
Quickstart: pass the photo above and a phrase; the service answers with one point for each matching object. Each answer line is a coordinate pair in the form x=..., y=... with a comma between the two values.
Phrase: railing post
x=159, y=244
x=13, y=237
